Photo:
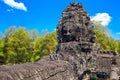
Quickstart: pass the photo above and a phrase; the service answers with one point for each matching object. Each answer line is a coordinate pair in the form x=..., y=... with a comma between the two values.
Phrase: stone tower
x=75, y=38
x=75, y=26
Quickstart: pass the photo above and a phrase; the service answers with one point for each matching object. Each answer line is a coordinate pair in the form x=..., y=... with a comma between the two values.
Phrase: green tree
x=101, y=38
x=2, y=55
x=18, y=46
x=106, y=42
x=4, y=43
x=33, y=35
x=45, y=45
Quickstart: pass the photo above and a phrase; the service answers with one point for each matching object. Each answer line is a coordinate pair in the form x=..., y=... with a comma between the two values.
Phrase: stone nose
x=68, y=33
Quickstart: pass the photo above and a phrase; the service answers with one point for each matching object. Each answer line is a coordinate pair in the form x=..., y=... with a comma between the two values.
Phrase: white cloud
x=118, y=33
x=15, y=5
x=103, y=18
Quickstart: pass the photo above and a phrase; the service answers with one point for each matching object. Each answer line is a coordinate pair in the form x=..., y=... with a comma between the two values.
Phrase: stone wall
x=48, y=70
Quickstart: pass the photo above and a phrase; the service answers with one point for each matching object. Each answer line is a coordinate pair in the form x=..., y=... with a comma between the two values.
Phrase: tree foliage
x=106, y=42
x=18, y=45
x=2, y=56
x=45, y=45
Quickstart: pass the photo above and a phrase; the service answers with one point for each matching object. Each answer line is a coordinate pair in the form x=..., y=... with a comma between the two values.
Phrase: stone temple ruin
x=77, y=57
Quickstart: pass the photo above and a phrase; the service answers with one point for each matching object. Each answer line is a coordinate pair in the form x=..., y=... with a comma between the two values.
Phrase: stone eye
x=70, y=31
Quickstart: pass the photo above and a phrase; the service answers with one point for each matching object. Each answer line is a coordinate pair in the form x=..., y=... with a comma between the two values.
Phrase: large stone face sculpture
x=76, y=38
x=77, y=57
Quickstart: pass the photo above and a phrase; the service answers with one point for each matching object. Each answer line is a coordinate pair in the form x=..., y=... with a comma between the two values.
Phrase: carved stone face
x=68, y=32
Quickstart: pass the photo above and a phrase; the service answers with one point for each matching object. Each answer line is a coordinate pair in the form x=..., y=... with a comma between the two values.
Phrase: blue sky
x=44, y=14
